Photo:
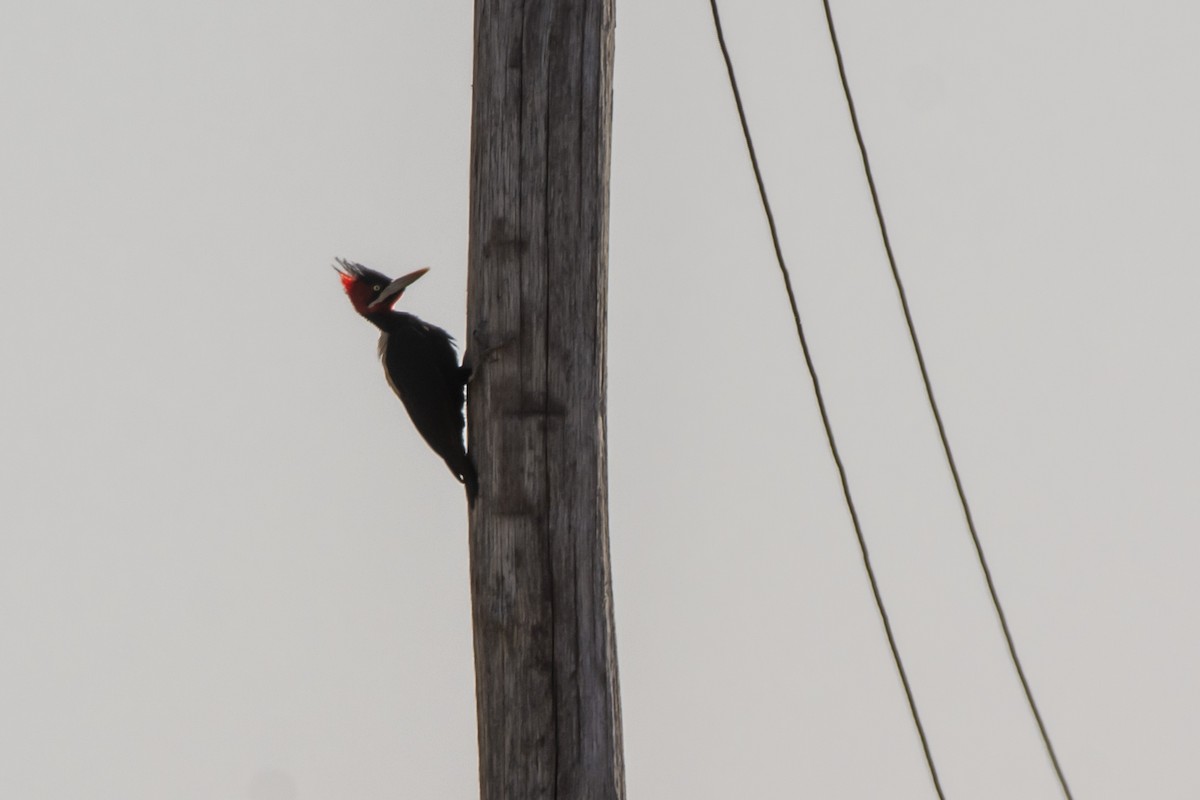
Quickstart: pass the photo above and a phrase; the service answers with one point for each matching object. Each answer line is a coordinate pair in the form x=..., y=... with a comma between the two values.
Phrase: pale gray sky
x=230, y=569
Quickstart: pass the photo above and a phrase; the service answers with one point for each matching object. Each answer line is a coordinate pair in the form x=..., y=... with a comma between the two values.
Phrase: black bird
x=420, y=364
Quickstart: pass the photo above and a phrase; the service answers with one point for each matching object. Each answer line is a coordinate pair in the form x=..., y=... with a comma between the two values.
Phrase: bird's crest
x=349, y=270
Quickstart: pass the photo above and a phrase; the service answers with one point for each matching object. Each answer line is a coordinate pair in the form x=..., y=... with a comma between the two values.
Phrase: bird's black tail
x=470, y=480
x=464, y=470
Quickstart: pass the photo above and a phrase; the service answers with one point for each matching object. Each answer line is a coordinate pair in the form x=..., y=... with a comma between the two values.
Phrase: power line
x=812, y=371
x=933, y=406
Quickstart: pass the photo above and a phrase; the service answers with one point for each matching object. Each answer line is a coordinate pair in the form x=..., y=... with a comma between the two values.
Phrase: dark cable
x=812, y=371
x=937, y=416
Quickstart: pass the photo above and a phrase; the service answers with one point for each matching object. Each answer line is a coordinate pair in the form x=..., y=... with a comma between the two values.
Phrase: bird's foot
x=472, y=363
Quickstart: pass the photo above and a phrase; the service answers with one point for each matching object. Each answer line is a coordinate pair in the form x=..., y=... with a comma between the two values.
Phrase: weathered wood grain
x=545, y=650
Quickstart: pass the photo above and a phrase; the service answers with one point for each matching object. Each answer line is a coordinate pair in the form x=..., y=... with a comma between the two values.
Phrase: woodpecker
x=419, y=362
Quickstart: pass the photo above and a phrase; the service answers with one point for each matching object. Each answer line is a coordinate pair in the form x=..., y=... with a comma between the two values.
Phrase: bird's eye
x=376, y=288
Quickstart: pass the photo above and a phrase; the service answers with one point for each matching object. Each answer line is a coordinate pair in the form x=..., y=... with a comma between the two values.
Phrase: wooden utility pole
x=545, y=647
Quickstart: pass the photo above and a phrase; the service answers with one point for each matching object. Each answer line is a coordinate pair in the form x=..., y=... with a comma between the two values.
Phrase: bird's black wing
x=422, y=368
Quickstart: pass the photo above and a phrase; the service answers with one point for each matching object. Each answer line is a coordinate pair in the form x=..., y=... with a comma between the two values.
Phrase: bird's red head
x=372, y=292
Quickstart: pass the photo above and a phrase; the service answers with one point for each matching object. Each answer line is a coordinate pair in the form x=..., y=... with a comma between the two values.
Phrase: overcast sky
x=229, y=568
